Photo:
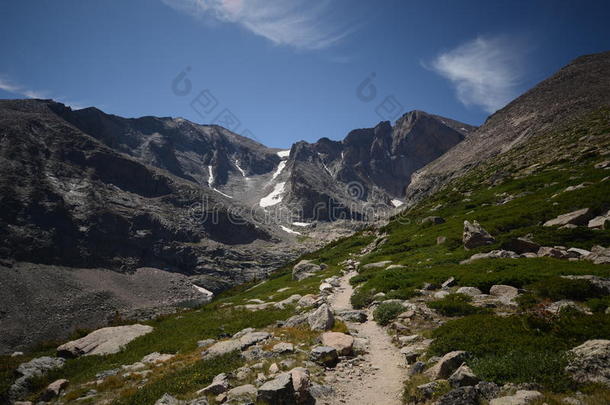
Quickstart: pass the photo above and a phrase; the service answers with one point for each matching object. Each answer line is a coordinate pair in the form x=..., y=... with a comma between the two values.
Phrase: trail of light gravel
x=379, y=379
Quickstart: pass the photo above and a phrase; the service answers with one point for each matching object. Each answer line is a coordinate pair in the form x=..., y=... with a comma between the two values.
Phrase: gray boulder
x=32, y=369
x=474, y=236
x=278, y=391
x=447, y=365
x=471, y=291
x=523, y=245
x=599, y=222
x=590, y=362
x=433, y=220
x=463, y=377
x=219, y=384
x=243, y=394
x=324, y=355
x=494, y=254
x=599, y=255
x=321, y=319
x=352, y=316
x=54, y=389
x=521, y=397
x=578, y=217
x=460, y=396
x=103, y=341
x=305, y=269
x=377, y=265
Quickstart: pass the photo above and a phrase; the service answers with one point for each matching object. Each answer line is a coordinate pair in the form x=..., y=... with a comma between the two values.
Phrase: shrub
x=362, y=298
x=402, y=294
x=599, y=304
x=456, y=305
x=387, y=312
x=515, y=349
x=559, y=288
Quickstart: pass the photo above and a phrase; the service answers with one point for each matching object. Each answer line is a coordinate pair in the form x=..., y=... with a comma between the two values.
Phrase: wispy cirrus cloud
x=14, y=88
x=302, y=24
x=485, y=71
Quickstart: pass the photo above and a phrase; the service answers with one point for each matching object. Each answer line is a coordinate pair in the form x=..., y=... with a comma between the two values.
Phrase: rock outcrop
x=103, y=341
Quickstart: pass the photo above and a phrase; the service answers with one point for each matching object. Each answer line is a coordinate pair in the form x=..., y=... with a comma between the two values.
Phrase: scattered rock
x=221, y=348
x=288, y=301
x=440, y=240
x=274, y=368
x=439, y=295
x=448, y=283
x=579, y=217
x=279, y=391
x=494, y=254
x=600, y=221
x=433, y=220
x=523, y=245
x=325, y=288
x=321, y=391
x=308, y=300
x=599, y=255
x=321, y=319
x=283, y=347
x=447, y=365
x=590, y=362
x=219, y=384
x=206, y=342
x=32, y=369
x=54, y=389
x=340, y=341
x=503, y=291
x=304, y=269
x=463, y=377
x=559, y=306
x=296, y=320
x=471, y=291
x=377, y=265
x=474, y=236
x=395, y=266
x=324, y=355
x=416, y=368
x=156, y=357
x=353, y=316
x=103, y=341
x=554, y=252
x=301, y=384
x=427, y=390
x=487, y=390
x=460, y=396
x=243, y=394
x=521, y=397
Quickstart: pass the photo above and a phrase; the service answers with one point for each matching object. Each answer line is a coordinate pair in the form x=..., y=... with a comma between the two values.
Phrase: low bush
x=517, y=349
x=456, y=305
x=402, y=294
x=362, y=298
x=559, y=288
x=599, y=304
x=386, y=312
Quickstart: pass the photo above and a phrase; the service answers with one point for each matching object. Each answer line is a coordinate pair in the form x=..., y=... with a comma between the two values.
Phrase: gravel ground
x=44, y=303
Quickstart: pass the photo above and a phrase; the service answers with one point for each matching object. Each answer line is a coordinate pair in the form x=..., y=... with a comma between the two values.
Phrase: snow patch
x=203, y=291
x=243, y=173
x=397, y=203
x=286, y=229
x=301, y=224
x=274, y=197
x=284, y=153
x=220, y=192
x=210, y=176
x=279, y=169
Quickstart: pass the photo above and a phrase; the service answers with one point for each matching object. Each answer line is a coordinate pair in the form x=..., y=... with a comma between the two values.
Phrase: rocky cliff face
x=87, y=190
x=368, y=171
x=578, y=88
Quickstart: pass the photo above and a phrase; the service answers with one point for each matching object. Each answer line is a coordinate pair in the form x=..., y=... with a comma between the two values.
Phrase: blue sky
x=282, y=71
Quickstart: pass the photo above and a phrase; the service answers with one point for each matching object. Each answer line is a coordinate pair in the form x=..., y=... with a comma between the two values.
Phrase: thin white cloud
x=297, y=23
x=486, y=72
x=11, y=87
